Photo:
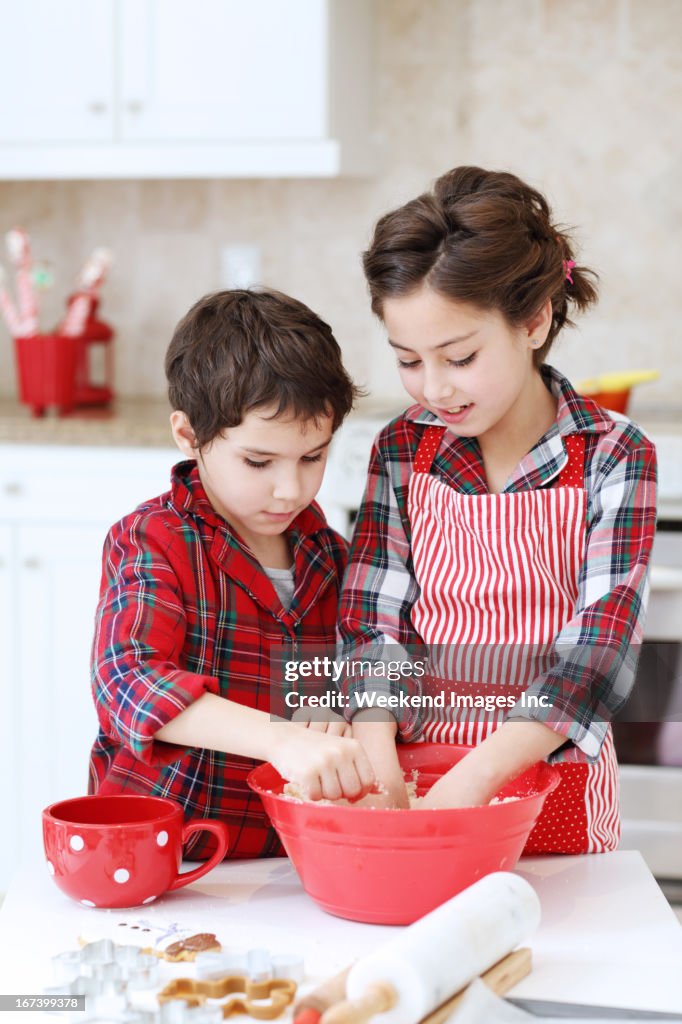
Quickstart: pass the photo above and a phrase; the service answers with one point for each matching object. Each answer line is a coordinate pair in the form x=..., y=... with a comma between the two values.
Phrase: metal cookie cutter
x=247, y=996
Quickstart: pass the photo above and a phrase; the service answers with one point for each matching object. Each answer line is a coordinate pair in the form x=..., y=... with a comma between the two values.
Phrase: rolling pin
x=412, y=975
x=309, y=1008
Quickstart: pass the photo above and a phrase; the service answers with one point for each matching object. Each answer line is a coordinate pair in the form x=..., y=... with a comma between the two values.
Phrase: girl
x=507, y=521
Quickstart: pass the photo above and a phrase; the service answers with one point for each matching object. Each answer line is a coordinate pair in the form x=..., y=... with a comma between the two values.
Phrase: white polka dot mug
x=122, y=851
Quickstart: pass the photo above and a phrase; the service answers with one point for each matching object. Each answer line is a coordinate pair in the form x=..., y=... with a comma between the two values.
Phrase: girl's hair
x=240, y=350
x=483, y=237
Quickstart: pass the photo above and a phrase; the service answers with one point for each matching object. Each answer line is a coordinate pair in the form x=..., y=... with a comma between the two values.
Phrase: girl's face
x=467, y=365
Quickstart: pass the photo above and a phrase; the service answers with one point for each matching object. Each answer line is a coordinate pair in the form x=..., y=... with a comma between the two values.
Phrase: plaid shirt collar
x=576, y=414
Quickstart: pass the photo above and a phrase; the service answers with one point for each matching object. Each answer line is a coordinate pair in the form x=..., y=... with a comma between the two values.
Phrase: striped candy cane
x=19, y=252
x=8, y=308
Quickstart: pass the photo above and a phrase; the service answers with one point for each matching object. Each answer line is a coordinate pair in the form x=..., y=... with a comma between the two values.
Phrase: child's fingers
x=339, y=728
x=332, y=788
x=350, y=781
x=364, y=768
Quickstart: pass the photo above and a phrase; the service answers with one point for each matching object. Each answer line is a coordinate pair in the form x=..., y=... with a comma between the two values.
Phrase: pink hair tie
x=568, y=267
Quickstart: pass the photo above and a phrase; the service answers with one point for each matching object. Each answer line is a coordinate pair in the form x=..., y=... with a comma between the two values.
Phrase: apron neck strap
x=428, y=446
x=572, y=475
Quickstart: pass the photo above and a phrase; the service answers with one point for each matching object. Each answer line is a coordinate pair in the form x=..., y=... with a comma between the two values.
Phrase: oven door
x=648, y=733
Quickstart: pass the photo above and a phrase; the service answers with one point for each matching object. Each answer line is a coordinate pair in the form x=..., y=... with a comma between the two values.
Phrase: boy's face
x=262, y=473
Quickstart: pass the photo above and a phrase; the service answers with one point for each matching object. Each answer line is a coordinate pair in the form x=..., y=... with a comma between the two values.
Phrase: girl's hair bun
x=484, y=237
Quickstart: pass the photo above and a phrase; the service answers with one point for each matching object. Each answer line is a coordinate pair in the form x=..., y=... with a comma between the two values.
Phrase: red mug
x=122, y=851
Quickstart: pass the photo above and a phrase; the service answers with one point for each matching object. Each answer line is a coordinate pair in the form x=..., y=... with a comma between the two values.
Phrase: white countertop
x=607, y=937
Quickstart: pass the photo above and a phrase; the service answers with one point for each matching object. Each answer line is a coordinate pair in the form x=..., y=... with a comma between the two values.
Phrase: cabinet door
x=58, y=571
x=223, y=70
x=8, y=708
x=57, y=71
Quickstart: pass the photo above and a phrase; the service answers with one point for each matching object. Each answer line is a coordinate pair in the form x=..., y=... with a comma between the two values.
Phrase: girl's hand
x=322, y=720
x=323, y=765
x=457, y=788
x=378, y=740
x=503, y=755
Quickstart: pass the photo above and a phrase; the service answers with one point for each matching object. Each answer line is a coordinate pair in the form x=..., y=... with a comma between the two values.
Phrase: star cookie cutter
x=263, y=1000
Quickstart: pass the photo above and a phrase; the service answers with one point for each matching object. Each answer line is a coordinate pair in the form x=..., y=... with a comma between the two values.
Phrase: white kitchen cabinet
x=162, y=88
x=56, y=73
x=56, y=505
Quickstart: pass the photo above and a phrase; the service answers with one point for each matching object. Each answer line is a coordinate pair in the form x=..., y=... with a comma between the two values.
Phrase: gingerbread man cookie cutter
x=263, y=1000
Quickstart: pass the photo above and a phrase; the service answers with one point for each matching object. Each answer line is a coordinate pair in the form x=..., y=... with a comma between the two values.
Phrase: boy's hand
x=324, y=766
x=378, y=740
x=322, y=720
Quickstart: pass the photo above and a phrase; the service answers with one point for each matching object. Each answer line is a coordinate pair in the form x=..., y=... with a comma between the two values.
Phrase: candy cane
x=77, y=315
x=8, y=309
x=19, y=252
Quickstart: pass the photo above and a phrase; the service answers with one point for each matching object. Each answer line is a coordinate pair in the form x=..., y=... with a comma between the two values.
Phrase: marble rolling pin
x=410, y=976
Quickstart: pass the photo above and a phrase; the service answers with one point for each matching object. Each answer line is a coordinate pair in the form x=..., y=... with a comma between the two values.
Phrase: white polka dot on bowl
x=150, y=899
x=50, y=867
x=162, y=838
x=121, y=875
x=88, y=903
x=76, y=843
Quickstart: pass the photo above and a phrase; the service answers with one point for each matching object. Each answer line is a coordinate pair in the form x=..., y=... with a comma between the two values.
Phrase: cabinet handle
x=13, y=488
x=135, y=107
x=98, y=108
x=32, y=563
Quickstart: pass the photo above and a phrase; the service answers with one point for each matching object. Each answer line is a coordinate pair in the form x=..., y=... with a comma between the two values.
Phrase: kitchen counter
x=128, y=422
x=607, y=934
x=131, y=422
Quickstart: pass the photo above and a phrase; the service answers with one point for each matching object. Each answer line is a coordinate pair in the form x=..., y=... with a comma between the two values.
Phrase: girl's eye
x=408, y=366
x=255, y=465
x=312, y=458
x=462, y=362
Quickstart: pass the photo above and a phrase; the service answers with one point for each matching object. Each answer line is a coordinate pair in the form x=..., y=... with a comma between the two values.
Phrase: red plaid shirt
x=185, y=609
x=620, y=479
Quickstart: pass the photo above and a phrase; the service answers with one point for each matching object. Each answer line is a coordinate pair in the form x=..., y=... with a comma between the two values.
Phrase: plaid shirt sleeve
x=379, y=587
x=597, y=650
x=139, y=633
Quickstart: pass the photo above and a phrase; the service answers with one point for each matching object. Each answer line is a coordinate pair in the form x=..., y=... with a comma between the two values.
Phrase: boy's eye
x=312, y=458
x=462, y=362
x=408, y=366
x=255, y=465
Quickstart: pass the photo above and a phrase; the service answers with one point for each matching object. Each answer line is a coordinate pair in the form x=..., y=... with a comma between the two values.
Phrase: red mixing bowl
x=392, y=867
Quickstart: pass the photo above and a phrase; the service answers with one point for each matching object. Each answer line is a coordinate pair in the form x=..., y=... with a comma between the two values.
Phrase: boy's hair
x=483, y=237
x=237, y=350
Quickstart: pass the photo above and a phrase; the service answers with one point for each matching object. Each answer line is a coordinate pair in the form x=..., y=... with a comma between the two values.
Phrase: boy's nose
x=287, y=488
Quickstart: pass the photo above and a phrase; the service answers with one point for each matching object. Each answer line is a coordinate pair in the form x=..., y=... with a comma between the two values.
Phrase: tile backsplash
x=581, y=97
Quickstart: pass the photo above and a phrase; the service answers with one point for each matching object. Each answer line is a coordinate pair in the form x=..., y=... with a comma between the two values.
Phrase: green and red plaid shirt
x=185, y=609
x=590, y=683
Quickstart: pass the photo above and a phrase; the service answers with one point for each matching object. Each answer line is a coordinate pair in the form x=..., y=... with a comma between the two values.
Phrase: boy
x=198, y=583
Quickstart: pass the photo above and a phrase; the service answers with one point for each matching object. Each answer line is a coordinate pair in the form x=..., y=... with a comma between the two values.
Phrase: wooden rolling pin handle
x=329, y=992
x=377, y=999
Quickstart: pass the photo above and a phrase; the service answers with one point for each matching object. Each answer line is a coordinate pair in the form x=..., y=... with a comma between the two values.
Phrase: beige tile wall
x=582, y=97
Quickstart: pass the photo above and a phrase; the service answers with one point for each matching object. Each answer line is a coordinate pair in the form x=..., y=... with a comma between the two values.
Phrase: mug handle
x=219, y=830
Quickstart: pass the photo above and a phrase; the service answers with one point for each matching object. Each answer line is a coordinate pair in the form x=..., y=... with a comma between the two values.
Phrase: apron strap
x=573, y=473
x=428, y=446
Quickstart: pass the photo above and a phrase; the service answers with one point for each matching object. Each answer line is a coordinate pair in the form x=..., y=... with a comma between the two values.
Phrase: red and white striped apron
x=498, y=579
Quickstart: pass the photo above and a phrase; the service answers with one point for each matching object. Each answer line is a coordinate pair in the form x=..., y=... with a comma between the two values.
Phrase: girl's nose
x=437, y=388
